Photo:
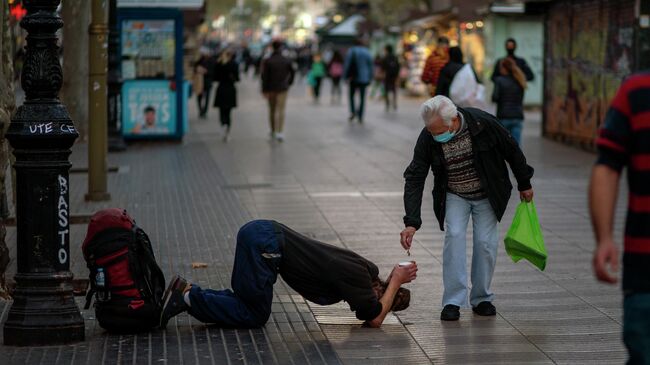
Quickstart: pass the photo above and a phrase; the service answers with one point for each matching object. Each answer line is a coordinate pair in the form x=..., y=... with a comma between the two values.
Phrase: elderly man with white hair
x=466, y=149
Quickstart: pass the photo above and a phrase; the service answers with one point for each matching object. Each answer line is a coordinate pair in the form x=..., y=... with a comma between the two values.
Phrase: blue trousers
x=636, y=327
x=454, y=253
x=514, y=126
x=354, y=87
x=248, y=304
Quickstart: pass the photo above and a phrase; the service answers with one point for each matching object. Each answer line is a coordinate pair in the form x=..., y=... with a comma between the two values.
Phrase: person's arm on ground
x=400, y=275
x=603, y=190
x=415, y=177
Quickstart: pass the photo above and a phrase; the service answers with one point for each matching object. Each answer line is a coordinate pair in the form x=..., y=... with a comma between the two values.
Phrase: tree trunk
x=7, y=107
x=74, y=93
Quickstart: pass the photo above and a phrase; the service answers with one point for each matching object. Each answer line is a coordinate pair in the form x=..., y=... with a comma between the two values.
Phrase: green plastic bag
x=524, y=239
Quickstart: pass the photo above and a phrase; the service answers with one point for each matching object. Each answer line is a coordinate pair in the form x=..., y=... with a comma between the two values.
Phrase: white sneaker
x=279, y=136
x=271, y=136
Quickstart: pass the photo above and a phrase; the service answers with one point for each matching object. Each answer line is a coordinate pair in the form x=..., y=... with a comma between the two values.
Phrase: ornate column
x=41, y=132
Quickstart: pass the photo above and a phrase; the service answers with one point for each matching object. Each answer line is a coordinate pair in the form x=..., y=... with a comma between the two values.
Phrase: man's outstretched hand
x=404, y=274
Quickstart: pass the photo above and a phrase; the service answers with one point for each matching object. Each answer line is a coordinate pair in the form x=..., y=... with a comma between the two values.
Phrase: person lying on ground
x=321, y=273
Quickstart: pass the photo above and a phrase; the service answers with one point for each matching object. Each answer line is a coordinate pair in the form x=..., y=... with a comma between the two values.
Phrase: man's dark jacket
x=277, y=73
x=492, y=146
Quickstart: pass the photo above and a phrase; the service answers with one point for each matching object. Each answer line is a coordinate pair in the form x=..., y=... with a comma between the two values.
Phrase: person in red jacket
x=434, y=63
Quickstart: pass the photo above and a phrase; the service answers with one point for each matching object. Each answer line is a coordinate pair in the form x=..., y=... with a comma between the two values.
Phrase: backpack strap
x=146, y=255
x=89, y=296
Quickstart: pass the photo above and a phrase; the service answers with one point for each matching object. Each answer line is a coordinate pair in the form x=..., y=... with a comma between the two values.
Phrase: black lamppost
x=115, y=140
x=41, y=133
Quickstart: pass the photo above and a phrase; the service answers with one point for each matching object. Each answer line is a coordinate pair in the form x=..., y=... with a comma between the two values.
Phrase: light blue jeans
x=514, y=126
x=454, y=254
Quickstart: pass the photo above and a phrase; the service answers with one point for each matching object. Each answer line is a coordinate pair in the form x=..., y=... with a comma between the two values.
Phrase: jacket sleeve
x=292, y=73
x=235, y=72
x=264, y=75
x=346, y=64
x=495, y=92
x=444, y=81
x=427, y=72
x=495, y=71
x=415, y=177
x=512, y=154
x=523, y=65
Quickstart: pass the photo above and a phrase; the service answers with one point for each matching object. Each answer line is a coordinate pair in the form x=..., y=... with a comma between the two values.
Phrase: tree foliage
x=389, y=13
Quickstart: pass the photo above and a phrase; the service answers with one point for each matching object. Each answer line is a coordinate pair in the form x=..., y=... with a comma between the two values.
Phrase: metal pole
x=41, y=133
x=97, y=110
x=115, y=140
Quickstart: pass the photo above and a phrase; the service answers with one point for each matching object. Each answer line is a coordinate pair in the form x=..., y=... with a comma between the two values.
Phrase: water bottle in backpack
x=103, y=294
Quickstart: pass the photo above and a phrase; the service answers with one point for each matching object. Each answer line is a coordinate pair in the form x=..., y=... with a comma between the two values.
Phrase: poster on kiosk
x=154, y=93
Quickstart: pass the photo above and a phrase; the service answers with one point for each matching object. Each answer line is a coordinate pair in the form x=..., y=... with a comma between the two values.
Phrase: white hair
x=440, y=106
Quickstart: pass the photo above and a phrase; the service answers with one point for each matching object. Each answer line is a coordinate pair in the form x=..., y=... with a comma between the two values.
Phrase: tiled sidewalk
x=342, y=184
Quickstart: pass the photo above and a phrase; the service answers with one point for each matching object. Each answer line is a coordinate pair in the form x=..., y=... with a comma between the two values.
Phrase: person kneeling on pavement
x=322, y=273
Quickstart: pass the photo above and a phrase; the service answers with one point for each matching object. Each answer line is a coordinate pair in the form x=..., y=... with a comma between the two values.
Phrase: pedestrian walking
x=377, y=78
x=466, y=149
x=434, y=64
x=358, y=70
x=277, y=75
x=335, y=72
x=511, y=47
x=202, y=80
x=321, y=273
x=508, y=94
x=226, y=73
x=316, y=75
x=247, y=59
x=390, y=66
x=450, y=70
x=624, y=141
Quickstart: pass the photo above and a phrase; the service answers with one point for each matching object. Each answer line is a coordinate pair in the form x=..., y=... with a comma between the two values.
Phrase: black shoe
x=485, y=309
x=450, y=313
x=351, y=118
x=173, y=301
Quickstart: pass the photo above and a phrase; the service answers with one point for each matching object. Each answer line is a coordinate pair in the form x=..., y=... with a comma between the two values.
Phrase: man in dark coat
x=511, y=47
x=467, y=151
x=321, y=273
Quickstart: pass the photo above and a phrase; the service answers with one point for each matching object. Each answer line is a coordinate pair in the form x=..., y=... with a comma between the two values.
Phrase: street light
x=41, y=133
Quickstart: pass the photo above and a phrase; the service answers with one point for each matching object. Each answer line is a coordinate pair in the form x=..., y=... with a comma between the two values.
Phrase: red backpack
x=124, y=276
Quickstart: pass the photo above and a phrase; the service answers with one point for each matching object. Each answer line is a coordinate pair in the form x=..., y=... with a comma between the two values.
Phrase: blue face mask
x=444, y=137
